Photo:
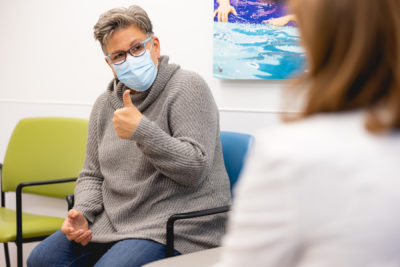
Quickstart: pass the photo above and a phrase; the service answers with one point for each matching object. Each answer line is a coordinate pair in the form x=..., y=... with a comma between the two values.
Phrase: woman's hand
x=76, y=228
x=127, y=118
x=282, y=21
x=224, y=10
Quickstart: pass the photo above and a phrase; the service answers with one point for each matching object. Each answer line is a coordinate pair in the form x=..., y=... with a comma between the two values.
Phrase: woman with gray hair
x=149, y=155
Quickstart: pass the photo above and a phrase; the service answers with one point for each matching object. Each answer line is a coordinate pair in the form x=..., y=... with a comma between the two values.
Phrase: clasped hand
x=126, y=119
x=76, y=228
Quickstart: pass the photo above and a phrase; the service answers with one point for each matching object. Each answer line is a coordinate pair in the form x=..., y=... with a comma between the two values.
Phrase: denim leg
x=56, y=251
x=132, y=253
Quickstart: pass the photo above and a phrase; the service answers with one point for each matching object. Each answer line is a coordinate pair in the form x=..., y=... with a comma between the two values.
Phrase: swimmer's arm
x=282, y=21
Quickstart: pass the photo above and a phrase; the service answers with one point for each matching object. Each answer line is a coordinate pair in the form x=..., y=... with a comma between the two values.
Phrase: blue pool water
x=256, y=51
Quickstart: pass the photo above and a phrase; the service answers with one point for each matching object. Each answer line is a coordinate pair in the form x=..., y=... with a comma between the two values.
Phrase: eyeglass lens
x=136, y=50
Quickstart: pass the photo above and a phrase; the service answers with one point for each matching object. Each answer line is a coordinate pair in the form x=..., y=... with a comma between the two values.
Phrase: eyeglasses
x=136, y=50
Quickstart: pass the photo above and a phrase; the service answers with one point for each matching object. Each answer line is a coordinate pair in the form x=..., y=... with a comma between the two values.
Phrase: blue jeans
x=57, y=250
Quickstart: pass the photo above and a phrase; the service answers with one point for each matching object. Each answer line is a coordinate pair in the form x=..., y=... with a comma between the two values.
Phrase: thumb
x=73, y=214
x=127, y=99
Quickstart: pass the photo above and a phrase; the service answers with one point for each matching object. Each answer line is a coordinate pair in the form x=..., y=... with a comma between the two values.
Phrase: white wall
x=51, y=66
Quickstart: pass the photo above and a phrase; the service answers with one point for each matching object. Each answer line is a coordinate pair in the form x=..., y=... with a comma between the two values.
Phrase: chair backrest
x=45, y=149
x=234, y=148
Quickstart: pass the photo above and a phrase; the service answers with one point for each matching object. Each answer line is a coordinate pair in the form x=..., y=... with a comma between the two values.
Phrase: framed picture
x=255, y=39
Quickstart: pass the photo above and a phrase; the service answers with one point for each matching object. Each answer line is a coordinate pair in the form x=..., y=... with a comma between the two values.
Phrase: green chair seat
x=33, y=225
x=43, y=157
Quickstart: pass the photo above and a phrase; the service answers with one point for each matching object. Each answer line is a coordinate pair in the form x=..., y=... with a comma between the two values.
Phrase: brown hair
x=353, y=51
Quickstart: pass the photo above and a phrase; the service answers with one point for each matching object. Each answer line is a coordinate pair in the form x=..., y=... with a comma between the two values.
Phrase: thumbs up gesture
x=127, y=118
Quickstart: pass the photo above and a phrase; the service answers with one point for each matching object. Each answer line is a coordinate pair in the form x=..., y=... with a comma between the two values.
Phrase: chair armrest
x=70, y=200
x=18, y=195
x=169, y=251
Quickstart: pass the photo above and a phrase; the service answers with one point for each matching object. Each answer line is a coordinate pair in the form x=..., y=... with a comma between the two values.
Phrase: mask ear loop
x=152, y=45
x=115, y=85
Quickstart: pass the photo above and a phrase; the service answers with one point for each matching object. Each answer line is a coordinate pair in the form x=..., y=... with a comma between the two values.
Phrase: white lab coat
x=321, y=192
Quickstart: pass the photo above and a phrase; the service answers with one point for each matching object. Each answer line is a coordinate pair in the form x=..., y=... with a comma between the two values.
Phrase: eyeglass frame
x=129, y=51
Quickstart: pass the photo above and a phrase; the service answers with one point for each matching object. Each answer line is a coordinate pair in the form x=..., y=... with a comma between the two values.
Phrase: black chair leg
x=6, y=255
x=19, y=254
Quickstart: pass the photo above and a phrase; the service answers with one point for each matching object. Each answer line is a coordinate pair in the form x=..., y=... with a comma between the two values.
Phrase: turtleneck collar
x=144, y=99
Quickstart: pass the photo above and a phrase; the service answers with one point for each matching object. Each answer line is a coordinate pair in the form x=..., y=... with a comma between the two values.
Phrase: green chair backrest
x=45, y=149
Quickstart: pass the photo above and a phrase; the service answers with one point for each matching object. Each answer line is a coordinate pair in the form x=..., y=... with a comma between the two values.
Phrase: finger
x=74, y=235
x=64, y=226
x=219, y=16
x=127, y=99
x=73, y=214
x=67, y=230
x=87, y=240
x=225, y=17
x=83, y=236
x=234, y=11
x=215, y=13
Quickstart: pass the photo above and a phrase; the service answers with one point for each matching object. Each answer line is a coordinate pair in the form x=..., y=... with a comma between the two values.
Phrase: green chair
x=42, y=153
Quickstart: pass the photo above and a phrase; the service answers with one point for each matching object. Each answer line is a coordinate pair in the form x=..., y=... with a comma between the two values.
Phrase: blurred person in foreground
x=324, y=190
x=153, y=150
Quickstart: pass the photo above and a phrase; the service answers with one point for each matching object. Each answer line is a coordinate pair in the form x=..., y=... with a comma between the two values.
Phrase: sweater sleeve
x=88, y=193
x=186, y=154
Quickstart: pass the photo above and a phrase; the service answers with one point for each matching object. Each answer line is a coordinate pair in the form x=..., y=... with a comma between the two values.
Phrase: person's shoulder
x=101, y=99
x=103, y=103
x=188, y=78
x=188, y=85
x=187, y=74
x=318, y=132
x=105, y=95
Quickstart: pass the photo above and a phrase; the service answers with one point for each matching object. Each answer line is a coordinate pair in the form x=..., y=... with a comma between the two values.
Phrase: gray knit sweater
x=173, y=163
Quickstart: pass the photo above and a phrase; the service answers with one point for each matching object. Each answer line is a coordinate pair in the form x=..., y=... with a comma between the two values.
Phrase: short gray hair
x=120, y=18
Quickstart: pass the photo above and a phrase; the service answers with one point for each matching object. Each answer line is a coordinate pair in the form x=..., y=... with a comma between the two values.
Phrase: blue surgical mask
x=137, y=73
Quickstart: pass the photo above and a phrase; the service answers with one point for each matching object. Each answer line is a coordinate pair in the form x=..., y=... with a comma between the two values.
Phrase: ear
x=111, y=66
x=156, y=47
